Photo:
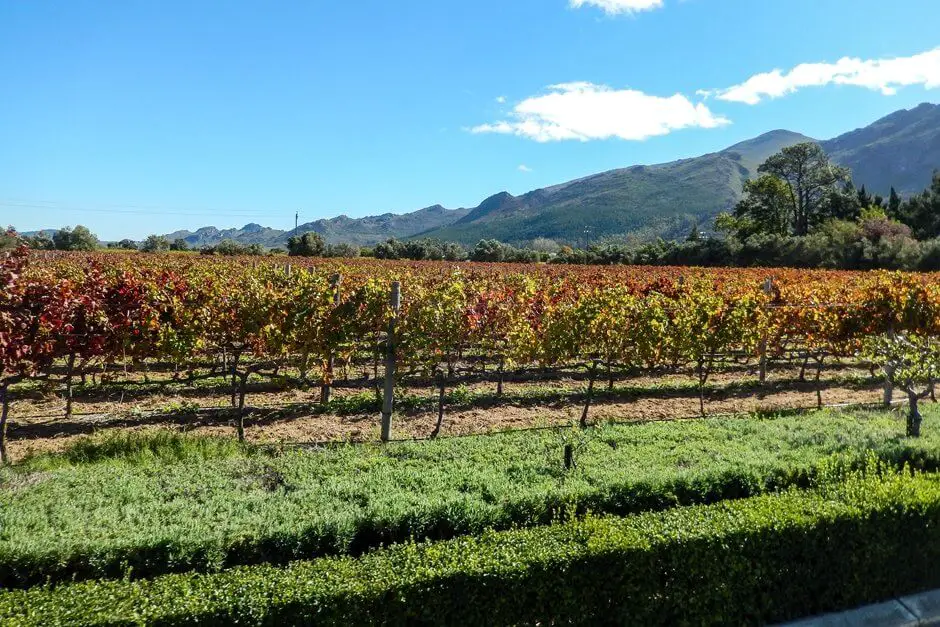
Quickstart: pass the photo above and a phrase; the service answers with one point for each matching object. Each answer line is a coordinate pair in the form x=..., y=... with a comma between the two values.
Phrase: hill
x=901, y=149
x=664, y=199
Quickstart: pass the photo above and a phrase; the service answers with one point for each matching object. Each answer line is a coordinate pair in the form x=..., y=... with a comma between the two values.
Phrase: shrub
x=310, y=244
x=769, y=558
x=79, y=238
x=207, y=512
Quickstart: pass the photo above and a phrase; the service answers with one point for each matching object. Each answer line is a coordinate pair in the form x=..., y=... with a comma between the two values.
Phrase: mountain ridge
x=901, y=149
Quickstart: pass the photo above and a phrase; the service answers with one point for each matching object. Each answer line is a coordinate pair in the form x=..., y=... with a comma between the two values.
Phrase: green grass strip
x=764, y=559
x=144, y=506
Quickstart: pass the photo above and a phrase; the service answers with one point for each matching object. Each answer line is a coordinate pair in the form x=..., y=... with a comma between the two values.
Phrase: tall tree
x=810, y=179
x=843, y=203
x=765, y=208
x=864, y=198
x=310, y=244
x=79, y=238
x=922, y=212
x=894, y=204
x=155, y=244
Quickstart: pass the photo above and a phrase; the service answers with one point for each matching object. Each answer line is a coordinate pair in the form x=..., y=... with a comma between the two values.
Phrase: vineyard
x=581, y=492
x=322, y=324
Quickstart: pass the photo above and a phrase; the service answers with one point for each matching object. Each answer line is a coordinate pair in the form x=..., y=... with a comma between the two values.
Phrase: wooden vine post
x=70, y=370
x=441, y=383
x=326, y=388
x=388, y=398
x=889, y=376
x=768, y=290
x=5, y=403
x=501, y=375
x=240, y=415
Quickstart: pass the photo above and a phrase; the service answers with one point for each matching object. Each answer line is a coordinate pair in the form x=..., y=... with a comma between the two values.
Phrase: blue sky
x=139, y=117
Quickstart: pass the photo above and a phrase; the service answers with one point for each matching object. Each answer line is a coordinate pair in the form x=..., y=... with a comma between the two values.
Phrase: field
x=111, y=340
x=196, y=439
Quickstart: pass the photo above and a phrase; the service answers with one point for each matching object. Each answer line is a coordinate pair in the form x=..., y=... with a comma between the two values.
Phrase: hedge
x=224, y=508
x=768, y=558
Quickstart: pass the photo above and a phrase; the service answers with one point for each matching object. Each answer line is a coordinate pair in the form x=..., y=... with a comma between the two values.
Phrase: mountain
x=248, y=234
x=900, y=150
x=667, y=199
x=373, y=229
x=361, y=231
x=658, y=199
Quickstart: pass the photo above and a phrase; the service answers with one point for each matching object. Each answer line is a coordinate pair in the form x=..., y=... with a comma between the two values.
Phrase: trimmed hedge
x=173, y=510
x=768, y=558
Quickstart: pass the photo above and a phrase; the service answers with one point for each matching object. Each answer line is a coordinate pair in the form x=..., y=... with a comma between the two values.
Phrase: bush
x=155, y=244
x=209, y=512
x=10, y=239
x=310, y=244
x=78, y=239
x=765, y=559
x=124, y=244
x=232, y=248
x=418, y=250
x=341, y=250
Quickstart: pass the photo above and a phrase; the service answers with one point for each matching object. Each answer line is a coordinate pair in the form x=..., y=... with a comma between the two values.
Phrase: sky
x=137, y=117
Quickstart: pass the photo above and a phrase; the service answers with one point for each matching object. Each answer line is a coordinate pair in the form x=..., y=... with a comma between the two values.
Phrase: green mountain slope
x=360, y=231
x=901, y=149
x=372, y=229
x=662, y=199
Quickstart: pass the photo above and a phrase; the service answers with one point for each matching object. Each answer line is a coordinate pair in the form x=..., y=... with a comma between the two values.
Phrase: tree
x=894, y=204
x=310, y=244
x=39, y=241
x=864, y=198
x=546, y=246
x=844, y=203
x=341, y=250
x=79, y=238
x=155, y=244
x=922, y=212
x=232, y=248
x=127, y=244
x=488, y=250
x=179, y=244
x=809, y=178
x=765, y=208
x=10, y=239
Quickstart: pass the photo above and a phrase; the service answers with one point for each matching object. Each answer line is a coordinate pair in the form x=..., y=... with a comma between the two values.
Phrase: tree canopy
x=794, y=193
x=310, y=244
x=79, y=238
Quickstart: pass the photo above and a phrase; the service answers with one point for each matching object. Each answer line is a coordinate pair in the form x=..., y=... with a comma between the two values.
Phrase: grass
x=150, y=504
x=855, y=537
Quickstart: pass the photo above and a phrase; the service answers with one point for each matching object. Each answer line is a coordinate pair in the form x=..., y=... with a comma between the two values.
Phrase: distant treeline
x=802, y=211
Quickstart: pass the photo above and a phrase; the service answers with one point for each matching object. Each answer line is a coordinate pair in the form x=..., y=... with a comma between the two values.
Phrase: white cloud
x=524, y=168
x=501, y=99
x=613, y=7
x=585, y=111
x=884, y=75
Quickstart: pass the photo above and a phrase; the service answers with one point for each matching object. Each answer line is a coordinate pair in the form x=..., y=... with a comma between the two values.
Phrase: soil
x=289, y=416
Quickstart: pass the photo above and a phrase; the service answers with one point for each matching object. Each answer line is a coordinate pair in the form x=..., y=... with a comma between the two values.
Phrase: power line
x=53, y=204
x=222, y=213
